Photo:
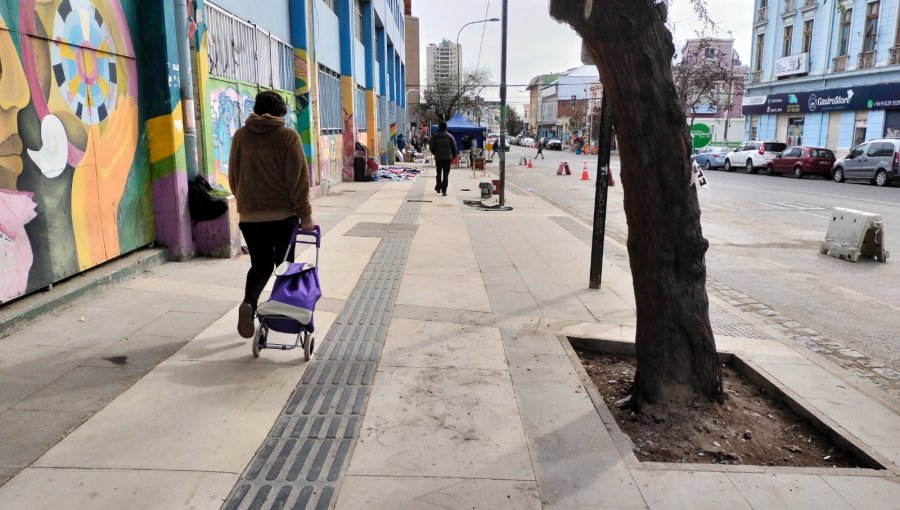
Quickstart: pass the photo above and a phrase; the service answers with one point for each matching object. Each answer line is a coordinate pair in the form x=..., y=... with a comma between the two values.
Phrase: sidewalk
x=443, y=380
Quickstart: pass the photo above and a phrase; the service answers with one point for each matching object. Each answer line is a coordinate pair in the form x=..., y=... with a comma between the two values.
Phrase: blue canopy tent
x=459, y=126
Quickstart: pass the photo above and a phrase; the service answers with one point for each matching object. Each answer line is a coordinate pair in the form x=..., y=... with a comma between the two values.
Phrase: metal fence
x=243, y=52
x=361, y=109
x=330, y=106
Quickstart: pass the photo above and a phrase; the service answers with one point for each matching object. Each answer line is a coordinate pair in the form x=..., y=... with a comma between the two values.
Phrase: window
x=874, y=149
x=807, y=35
x=788, y=36
x=331, y=5
x=359, y=21
x=330, y=101
x=760, y=42
x=844, y=41
x=361, y=111
x=710, y=53
x=897, y=35
x=871, y=26
x=857, y=152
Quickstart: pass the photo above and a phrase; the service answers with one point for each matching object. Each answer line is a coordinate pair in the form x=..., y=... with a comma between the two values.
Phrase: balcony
x=839, y=64
x=895, y=56
x=808, y=4
x=762, y=15
x=790, y=7
x=866, y=60
x=756, y=77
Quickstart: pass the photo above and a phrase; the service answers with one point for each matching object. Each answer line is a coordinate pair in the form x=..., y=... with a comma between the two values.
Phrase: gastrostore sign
x=865, y=97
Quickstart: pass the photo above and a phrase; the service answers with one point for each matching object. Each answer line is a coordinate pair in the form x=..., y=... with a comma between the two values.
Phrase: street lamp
x=459, y=57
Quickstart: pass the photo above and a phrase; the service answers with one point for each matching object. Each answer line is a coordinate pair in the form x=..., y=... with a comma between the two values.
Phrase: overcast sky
x=538, y=44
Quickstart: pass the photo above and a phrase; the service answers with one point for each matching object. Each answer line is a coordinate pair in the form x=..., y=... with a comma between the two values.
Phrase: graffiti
x=74, y=180
x=226, y=119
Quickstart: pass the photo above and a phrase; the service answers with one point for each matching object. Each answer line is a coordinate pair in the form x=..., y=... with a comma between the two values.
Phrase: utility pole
x=503, y=24
x=729, y=104
x=601, y=193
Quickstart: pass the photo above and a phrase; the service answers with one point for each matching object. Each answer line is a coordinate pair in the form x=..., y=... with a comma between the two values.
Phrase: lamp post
x=459, y=57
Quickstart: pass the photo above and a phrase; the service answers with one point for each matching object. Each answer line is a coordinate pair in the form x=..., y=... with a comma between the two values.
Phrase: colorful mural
x=74, y=180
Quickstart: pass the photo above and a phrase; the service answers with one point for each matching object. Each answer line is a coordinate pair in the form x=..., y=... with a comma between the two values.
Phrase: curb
x=28, y=309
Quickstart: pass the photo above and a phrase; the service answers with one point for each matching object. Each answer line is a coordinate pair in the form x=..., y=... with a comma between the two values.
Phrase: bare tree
x=701, y=75
x=514, y=124
x=633, y=50
x=445, y=98
x=578, y=120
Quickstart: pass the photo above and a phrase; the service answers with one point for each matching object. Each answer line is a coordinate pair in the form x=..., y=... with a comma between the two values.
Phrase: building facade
x=824, y=73
x=108, y=108
x=443, y=63
x=726, y=99
x=563, y=105
x=413, y=70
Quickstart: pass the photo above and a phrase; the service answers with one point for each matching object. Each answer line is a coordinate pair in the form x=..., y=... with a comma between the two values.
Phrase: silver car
x=877, y=161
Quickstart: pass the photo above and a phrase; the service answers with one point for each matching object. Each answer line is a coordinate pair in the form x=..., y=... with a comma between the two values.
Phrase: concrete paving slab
x=866, y=419
x=413, y=343
x=602, y=331
x=156, y=287
x=575, y=460
x=697, y=490
x=136, y=351
x=44, y=430
x=529, y=342
x=41, y=364
x=390, y=493
x=812, y=382
x=443, y=423
x=94, y=332
x=51, y=489
x=179, y=324
x=337, y=284
x=208, y=305
x=7, y=472
x=867, y=493
x=463, y=292
x=787, y=492
x=221, y=343
x=11, y=394
x=83, y=390
x=184, y=415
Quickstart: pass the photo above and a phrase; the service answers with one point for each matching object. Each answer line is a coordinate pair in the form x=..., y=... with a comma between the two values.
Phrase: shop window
x=859, y=135
x=892, y=124
x=795, y=131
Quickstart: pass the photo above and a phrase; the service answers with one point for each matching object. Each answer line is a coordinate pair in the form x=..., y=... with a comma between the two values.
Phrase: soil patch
x=751, y=427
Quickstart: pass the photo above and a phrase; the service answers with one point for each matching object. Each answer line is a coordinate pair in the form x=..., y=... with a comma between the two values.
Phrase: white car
x=753, y=155
x=527, y=142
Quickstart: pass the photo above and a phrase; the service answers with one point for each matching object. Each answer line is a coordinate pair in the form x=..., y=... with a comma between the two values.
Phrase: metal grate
x=300, y=464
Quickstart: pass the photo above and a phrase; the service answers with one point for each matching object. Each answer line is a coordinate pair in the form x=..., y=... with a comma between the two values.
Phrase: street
x=764, y=234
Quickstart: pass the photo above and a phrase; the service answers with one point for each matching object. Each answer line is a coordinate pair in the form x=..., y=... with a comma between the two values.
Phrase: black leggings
x=443, y=174
x=267, y=242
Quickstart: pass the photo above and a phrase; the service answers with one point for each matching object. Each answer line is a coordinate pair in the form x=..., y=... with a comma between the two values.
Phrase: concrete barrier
x=852, y=234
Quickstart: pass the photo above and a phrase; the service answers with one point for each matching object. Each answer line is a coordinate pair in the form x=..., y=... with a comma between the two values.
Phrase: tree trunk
x=676, y=351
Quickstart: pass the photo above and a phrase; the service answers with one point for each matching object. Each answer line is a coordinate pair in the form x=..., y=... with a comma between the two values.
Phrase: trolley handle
x=310, y=237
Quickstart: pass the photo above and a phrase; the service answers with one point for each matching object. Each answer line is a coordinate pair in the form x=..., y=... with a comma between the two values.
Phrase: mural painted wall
x=74, y=178
x=227, y=106
x=330, y=157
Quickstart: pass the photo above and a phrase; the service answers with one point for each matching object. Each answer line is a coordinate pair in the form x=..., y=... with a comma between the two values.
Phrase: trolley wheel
x=259, y=340
x=309, y=344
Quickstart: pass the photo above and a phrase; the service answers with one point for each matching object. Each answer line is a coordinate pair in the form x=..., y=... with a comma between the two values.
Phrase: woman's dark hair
x=271, y=103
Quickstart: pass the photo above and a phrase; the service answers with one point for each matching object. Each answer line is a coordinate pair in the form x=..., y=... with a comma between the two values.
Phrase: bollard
x=852, y=234
x=563, y=167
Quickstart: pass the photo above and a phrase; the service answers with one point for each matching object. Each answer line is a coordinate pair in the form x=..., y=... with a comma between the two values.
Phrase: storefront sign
x=701, y=135
x=865, y=97
x=794, y=64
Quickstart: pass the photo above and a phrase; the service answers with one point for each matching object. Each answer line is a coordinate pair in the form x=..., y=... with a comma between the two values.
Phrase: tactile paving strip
x=300, y=464
x=723, y=322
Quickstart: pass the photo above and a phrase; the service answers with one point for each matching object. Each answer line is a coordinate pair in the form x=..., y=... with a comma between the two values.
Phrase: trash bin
x=360, y=161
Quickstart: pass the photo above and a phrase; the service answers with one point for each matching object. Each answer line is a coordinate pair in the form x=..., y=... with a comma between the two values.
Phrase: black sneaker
x=444, y=193
x=245, y=327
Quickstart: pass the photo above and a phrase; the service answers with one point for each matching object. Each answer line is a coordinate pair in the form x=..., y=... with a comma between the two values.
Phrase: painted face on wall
x=14, y=96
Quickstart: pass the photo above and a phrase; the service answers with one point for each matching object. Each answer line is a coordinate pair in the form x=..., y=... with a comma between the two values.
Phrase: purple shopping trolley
x=293, y=300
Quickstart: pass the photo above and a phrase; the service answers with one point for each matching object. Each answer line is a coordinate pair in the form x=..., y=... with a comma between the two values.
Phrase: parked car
x=802, y=160
x=554, y=144
x=753, y=155
x=711, y=157
x=877, y=161
x=527, y=142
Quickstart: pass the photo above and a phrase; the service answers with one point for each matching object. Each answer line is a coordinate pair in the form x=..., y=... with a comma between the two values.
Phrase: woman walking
x=270, y=181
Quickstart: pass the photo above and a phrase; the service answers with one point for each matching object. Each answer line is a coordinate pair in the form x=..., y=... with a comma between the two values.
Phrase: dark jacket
x=443, y=146
x=267, y=171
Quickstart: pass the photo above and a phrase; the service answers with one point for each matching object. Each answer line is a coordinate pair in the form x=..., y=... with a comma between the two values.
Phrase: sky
x=537, y=44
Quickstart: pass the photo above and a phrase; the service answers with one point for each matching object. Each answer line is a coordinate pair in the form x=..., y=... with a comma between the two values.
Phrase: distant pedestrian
x=540, y=149
x=443, y=147
x=269, y=178
x=496, y=149
x=401, y=142
x=467, y=147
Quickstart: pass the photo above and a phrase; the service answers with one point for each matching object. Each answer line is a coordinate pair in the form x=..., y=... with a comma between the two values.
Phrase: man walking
x=540, y=148
x=443, y=148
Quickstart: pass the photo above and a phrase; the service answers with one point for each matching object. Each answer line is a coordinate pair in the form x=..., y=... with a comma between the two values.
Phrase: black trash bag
x=204, y=206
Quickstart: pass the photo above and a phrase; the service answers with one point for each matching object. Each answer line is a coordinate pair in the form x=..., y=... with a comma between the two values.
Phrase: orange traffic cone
x=529, y=163
x=584, y=173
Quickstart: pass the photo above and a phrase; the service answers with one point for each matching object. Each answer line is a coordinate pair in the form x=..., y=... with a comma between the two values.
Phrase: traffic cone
x=530, y=165
x=584, y=173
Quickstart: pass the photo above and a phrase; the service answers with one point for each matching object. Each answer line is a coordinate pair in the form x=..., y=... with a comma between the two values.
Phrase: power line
x=483, y=30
